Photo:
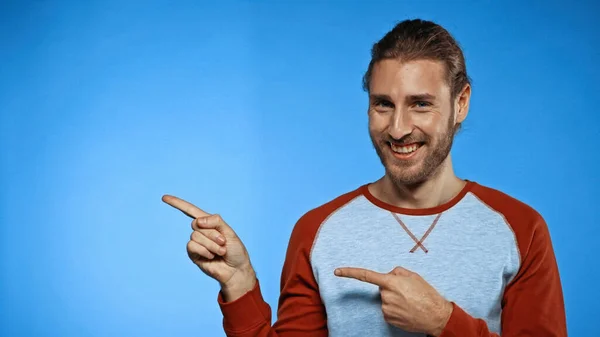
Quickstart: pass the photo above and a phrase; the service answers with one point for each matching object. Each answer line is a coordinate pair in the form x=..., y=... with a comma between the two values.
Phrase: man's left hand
x=408, y=301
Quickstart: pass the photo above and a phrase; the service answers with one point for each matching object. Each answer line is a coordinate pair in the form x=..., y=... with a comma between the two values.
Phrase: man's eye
x=384, y=104
x=422, y=104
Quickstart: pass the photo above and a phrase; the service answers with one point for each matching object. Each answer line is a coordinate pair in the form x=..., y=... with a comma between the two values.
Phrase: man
x=418, y=252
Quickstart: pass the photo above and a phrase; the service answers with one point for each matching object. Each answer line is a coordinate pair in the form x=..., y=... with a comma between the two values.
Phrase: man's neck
x=436, y=190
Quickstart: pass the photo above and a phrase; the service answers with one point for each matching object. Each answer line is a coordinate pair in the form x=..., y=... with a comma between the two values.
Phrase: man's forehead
x=393, y=77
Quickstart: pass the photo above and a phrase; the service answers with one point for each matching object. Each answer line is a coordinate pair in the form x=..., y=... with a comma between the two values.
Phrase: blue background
x=254, y=110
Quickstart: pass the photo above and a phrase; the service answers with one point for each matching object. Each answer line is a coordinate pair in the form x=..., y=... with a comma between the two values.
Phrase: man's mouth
x=405, y=151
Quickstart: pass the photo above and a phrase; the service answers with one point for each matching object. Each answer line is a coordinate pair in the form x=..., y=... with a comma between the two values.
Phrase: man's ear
x=461, y=104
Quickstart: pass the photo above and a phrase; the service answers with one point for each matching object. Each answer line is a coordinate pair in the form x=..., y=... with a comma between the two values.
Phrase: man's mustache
x=408, y=139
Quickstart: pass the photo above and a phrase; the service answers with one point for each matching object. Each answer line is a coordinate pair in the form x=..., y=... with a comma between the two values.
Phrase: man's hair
x=420, y=39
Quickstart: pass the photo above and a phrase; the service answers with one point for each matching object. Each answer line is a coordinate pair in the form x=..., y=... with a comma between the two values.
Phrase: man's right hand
x=217, y=250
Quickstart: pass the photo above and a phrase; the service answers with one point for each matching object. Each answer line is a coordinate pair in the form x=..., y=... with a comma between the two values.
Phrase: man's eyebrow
x=408, y=99
x=420, y=97
x=380, y=97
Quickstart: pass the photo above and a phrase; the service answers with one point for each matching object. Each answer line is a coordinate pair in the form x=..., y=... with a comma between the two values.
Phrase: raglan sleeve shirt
x=532, y=303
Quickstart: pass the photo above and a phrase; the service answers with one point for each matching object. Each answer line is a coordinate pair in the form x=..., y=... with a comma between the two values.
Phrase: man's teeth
x=404, y=148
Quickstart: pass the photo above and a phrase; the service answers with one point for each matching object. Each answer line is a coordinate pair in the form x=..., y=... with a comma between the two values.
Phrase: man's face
x=411, y=118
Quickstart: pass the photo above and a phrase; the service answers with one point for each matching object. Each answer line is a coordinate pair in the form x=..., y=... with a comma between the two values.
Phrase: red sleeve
x=301, y=312
x=533, y=303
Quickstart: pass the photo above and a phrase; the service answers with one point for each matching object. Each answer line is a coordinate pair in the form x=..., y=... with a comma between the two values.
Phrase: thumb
x=215, y=221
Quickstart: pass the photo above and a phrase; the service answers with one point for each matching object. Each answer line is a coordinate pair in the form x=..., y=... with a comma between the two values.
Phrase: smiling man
x=418, y=252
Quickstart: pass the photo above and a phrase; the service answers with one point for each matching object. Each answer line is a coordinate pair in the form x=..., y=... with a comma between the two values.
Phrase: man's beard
x=428, y=166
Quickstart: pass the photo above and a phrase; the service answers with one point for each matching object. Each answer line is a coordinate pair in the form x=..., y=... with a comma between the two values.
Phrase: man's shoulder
x=325, y=210
x=519, y=215
x=309, y=223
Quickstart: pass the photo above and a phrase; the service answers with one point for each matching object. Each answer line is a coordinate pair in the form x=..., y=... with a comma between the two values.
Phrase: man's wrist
x=240, y=283
x=443, y=318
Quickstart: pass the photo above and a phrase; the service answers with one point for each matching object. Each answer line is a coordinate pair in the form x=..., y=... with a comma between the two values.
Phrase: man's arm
x=533, y=302
x=300, y=313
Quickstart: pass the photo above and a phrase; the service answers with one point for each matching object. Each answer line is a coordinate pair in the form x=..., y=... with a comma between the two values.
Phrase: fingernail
x=201, y=221
x=222, y=250
x=337, y=272
x=221, y=239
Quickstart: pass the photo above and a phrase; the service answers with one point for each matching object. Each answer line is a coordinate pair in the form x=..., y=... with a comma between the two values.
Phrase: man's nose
x=400, y=125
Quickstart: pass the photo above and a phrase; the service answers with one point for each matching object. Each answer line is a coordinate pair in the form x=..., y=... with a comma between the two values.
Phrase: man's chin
x=405, y=176
x=398, y=166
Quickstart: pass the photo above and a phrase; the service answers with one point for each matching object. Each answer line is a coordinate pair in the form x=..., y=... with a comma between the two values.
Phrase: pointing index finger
x=184, y=206
x=362, y=274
